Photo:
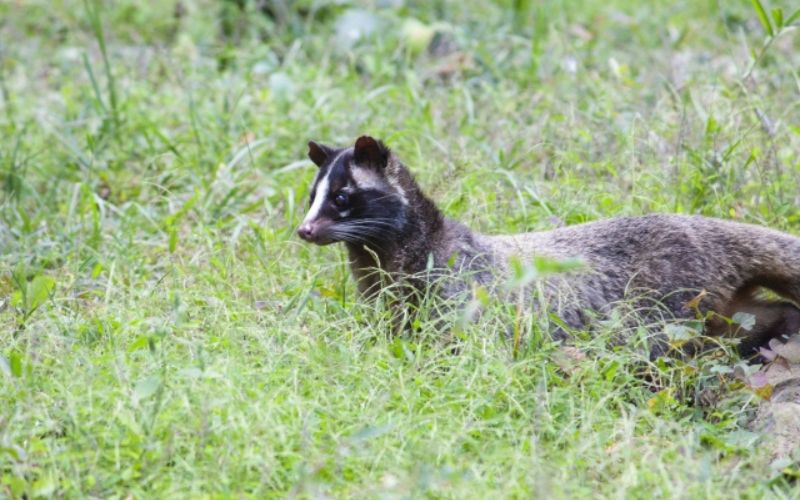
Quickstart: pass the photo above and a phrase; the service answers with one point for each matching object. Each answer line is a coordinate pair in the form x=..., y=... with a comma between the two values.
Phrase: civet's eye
x=340, y=200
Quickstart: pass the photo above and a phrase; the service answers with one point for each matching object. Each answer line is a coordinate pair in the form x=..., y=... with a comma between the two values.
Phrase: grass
x=164, y=333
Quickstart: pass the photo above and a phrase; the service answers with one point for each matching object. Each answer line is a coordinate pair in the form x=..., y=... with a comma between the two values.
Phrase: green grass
x=164, y=333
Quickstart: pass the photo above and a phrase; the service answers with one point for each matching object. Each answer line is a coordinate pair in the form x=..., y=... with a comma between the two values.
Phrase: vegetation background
x=164, y=333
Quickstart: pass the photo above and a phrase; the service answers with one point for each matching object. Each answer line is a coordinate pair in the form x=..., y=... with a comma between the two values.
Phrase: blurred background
x=653, y=105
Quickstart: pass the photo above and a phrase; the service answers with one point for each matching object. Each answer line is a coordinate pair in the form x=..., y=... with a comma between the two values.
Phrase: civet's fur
x=386, y=222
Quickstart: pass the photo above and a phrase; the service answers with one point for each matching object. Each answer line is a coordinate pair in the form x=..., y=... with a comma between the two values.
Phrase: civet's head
x=357, y=195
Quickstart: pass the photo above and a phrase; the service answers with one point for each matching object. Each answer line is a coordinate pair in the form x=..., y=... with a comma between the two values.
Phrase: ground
x=164, y=333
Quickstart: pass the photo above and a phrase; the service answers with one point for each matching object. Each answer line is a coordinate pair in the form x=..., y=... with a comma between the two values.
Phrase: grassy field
x=164, y=333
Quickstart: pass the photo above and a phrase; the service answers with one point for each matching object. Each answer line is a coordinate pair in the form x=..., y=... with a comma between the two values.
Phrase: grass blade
x=95, y=86
x=762, y=16
x=777, y=16
x=96, y=23
x=792, y=18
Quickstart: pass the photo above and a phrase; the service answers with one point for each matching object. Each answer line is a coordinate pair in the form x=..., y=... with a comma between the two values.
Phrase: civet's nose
x=306, y=231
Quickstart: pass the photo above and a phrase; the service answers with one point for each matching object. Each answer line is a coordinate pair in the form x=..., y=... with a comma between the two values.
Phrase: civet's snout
x=314, y=231
x=306, y=231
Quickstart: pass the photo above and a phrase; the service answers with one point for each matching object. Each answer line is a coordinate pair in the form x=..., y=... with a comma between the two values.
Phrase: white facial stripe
x=365, y=178
x=336, y=160
x=399, y=189
x=319, y=199
x=322, y=191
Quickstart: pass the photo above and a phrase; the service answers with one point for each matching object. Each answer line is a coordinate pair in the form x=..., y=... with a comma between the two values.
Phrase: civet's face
x=353, y=198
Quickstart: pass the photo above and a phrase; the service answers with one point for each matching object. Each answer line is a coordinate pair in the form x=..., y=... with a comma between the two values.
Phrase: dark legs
x=773, y=318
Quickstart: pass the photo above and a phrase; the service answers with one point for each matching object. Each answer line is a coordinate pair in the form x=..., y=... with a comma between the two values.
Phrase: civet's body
x=365, y=197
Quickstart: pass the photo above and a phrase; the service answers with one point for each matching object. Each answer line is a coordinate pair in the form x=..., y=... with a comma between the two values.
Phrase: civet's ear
x=370, y=152
x=318, y=153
